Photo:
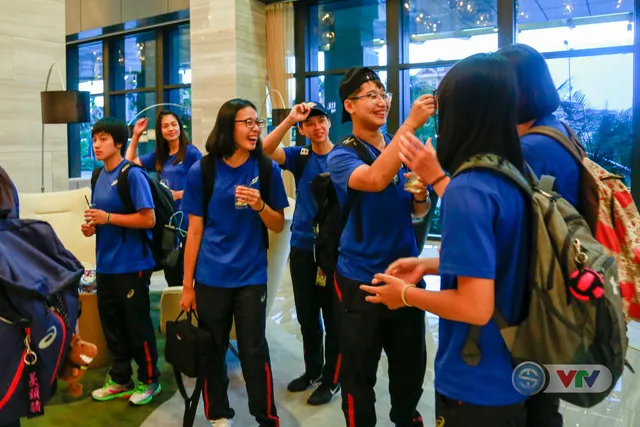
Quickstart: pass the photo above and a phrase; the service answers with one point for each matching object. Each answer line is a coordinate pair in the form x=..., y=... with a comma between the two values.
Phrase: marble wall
x=32, y=37
x=228, y=58
x=83, y=15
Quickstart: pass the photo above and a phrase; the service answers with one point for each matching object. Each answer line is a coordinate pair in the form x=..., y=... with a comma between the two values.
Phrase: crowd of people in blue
x=375, y=300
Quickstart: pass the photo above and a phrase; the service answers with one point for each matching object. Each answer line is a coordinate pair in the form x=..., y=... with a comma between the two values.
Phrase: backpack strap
x=124, y=193
x=94, y=179
x=265, y=168
x=208, y=174
x=570, y=143
x=301, y=161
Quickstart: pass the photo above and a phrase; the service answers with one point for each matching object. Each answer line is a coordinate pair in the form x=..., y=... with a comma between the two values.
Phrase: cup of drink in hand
x=240, y=204
x=412, y=184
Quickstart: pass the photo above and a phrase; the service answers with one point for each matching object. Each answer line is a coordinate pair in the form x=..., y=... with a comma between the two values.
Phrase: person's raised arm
x=271, y=143
x=132, y=149
x=376, y=177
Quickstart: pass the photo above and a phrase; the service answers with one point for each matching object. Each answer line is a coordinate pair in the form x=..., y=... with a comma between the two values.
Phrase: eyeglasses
x=252, y=122
x=375, y=97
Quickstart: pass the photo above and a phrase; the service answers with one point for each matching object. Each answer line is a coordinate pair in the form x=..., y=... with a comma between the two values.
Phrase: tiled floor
x=621, y=409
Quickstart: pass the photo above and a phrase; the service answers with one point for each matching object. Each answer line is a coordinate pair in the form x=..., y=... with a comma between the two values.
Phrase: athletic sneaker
x=302, y=383
x=144, y=393
x=323, y=394
x=221, y=422
x=112, y=390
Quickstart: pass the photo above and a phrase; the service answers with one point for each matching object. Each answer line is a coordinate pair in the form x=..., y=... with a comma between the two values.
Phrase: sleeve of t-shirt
x=148, y=161
x=277, y=194
x=468, y=240
x=140, y=190
x=193, y=155
x=291, y=157
x=342, y=162
x=193, y=197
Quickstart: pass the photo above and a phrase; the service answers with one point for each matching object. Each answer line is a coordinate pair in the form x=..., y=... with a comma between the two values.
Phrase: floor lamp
x=62, y=107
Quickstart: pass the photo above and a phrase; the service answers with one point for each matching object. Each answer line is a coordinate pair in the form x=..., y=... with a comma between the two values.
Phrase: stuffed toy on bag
x=80, y=355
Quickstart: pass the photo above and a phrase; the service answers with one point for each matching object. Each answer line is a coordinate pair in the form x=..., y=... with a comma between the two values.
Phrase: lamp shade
x=65, y=106
x=278, y=115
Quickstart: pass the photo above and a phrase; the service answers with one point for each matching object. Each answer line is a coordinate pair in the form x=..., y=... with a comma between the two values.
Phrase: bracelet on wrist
x=264, y=204
x=108, y=217
x=418, y=200
x=404, y=291
x=438, y=179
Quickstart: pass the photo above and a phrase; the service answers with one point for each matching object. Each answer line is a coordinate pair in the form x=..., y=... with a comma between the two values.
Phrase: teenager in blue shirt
x=379, y=230
x=225, y=261
x=311, y=292
x=172, y=160
x=538, y=100
x=482, y=266
x=124, y=264
x=9, y=202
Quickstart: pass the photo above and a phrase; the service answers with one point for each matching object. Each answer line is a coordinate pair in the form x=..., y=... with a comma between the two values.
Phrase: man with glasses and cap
x=369, y=179
x=310, y=290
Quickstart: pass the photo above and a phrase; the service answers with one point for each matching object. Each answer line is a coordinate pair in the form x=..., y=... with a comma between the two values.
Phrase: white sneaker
x=221, y=422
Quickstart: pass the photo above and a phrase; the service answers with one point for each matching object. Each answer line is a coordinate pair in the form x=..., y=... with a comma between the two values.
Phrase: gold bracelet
x=108, y=215
x=404, y=291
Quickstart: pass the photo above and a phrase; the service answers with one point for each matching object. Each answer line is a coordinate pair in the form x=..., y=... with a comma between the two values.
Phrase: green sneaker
x=112, y=390
x=144, y=393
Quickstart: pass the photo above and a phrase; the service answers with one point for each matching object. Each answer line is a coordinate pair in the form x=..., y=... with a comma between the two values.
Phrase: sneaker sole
x=148, y=399
x=125, y=394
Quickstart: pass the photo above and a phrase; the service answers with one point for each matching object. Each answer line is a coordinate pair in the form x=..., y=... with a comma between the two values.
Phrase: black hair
x=221, y=142
x=162, y=145
x=537, y=94
x=114, y=127
x=6, y=189
x=477, y=102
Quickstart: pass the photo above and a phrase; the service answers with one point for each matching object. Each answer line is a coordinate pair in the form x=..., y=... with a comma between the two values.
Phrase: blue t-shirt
x=176, y=174
x=546, y=156
x=119, y=249
x=387, y=229
x=302, y=229
x=232, y=252
x=485, y=234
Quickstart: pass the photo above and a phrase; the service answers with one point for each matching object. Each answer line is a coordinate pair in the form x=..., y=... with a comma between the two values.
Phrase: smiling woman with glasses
x=375, y=97
x=233, y=195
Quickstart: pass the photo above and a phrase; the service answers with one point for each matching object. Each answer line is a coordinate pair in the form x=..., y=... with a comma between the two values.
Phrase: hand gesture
x=410, y=270
x=95, y=217
x=140, y=126
x=250, y=196
x=300, y=112
x=188, y=300
x=416, y=186
x=421, y=159
x=389, y=293
x=88, y=230
x=421, y=110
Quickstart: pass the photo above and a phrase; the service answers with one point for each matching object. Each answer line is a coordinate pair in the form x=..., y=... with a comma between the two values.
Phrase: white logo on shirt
x=113, y=184
x=304, y=151
x=254, y=180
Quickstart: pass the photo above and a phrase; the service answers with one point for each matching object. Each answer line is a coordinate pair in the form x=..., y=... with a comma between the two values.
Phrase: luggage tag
x=32, y=379
x=321, y=278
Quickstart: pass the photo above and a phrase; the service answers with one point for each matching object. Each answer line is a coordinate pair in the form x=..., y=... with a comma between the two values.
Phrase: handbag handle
x=189, y=314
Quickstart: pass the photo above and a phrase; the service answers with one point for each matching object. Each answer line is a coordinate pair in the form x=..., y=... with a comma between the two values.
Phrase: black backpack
x=331, y=219
x=208, y=172
x=301, y=162
x=165, y=240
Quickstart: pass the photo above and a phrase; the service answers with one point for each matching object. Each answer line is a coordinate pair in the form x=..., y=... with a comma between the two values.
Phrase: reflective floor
x=621, y=409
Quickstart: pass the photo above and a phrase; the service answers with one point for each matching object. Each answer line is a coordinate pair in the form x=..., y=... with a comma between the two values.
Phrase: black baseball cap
x=352, y=80
x=317, y=109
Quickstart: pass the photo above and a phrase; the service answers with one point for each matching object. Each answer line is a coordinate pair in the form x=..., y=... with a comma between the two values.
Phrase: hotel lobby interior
x=134, y=58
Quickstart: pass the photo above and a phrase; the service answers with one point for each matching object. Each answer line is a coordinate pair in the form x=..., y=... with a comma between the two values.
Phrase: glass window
x=181, y=100
x=448, y=30
x=348, y=35
x=551, y=26
x=128, y=106
x=90, y=71
x=179, y=56
x=88, y=161
x=324, y=89
x=133, y=62
x=596, y=94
